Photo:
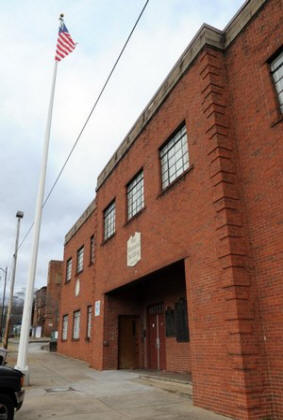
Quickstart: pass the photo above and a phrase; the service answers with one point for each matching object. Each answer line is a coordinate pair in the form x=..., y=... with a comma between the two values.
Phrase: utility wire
x=89, y=116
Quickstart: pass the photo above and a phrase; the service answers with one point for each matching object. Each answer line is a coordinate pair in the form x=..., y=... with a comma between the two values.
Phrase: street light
x=19, y=216
x=5, y=271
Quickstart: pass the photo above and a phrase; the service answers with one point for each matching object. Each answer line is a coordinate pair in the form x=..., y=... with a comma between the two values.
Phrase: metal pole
x=19, y=216
x=26, y=320
x=3, y=301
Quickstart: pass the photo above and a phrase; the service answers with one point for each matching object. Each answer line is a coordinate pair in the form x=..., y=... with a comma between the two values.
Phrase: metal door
x=156, y=337
x=128, y=342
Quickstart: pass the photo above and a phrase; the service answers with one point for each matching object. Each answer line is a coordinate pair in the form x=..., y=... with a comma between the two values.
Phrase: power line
x=89, y=115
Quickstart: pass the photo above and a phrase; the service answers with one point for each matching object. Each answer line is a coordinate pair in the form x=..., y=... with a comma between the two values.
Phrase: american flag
x=65, y=44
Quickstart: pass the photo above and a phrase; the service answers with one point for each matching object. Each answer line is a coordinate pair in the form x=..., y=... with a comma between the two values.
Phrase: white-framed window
x=89, y=321
x=69, y=269
x=135, y=195
x=109, y=215
x=80, y=259
x=276, y=67
x=174, y=157
x=65, y=327
x=91, y=249
x=76, y=324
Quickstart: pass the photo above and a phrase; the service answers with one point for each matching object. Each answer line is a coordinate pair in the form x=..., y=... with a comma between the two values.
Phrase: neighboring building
x=39, y=310
x=54, y=284
x=176, y=265
x=47, y=302
x=78, y=288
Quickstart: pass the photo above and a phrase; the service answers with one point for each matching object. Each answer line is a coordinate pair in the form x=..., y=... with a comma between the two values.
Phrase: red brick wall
x=257, y=128
x=82, y=348
x=53, y=292
x=223, y=218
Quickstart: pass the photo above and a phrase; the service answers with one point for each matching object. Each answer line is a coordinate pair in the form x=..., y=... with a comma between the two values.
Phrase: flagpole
x=26, y=319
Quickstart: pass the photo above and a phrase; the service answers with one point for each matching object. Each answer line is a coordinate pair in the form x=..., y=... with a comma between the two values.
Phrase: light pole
x=3, y=301
x=19, y=216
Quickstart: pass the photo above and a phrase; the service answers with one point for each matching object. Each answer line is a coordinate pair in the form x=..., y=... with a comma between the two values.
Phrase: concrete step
x=168, y=384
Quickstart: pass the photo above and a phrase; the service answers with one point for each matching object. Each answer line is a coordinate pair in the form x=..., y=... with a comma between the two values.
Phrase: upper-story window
x=69, y=270
x=80, y=259
x=174, y=157
x=276, y=67
x=135, y=195
x=109, y=220
x=91, y=249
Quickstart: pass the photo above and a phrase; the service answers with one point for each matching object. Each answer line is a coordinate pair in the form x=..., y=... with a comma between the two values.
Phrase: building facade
x=185, y=233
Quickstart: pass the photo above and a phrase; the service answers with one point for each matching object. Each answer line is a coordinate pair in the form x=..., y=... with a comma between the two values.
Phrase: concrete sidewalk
x=66, y=389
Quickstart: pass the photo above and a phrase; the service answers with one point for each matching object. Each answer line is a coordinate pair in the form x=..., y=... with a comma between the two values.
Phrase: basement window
x=65, y=328
x=276, y=67
x=76, y=325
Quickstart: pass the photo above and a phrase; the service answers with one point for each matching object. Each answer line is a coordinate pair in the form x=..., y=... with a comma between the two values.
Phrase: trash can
x=3, y=355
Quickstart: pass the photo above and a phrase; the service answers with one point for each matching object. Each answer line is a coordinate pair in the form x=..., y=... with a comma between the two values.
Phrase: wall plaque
x=134, y=249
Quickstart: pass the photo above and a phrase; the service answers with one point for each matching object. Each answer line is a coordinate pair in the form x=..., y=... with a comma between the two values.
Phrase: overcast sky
x=28, y=39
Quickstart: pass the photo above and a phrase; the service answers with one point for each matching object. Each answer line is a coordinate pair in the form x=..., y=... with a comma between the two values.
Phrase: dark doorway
x=128, y=342
x=156, y=337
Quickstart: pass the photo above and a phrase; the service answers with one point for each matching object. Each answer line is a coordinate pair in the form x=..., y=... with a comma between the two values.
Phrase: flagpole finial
x=61, y=17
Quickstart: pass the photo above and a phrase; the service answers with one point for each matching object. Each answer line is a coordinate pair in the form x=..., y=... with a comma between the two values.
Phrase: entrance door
x=128, y=342
x=156, y=337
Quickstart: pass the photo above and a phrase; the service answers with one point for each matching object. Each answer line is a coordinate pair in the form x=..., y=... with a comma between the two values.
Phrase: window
x=76, y=325
x=276, y=67
x=89, y=318
x=109, y=221
x=80, y=259
x=69, y=270
x=91, y=250
x=65, y=327
x=135, y=195
x=181, y=319
x=174, y=157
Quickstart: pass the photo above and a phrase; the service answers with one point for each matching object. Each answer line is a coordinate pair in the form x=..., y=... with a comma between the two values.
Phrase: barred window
x=69, y=270
x=76, y=324
x=65, y=327
x=135, y=195
x=91, y=249
x=109, y=220
x=276, y=67
x=80, y=259
x=89, y=319
x=174, y=157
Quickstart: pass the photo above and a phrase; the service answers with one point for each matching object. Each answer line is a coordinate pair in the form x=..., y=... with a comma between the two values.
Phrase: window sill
x=88, y=339
x=108, y=239
x=135, y=216
x=67, y=281
x=75, y=339
x=63, y=340
x=79, y=272
x=277, y=121
x=176, y=181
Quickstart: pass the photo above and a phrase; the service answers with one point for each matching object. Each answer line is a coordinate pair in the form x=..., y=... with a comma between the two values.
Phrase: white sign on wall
x=134, y=249
x=97, y=308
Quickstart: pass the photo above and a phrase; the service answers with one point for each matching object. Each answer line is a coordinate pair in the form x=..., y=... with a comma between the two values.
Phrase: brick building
x=177, y=264
x=53, y=293
x=47, y=301
x=39, y=308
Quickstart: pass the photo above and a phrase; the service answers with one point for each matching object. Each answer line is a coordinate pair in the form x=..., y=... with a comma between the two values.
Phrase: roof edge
x=206, y=35
x=81, y=220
